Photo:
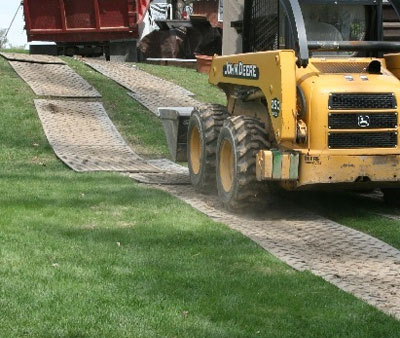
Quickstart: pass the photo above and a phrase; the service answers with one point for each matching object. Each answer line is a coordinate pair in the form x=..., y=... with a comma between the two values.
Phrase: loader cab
x=333, y=22
x=317, y=27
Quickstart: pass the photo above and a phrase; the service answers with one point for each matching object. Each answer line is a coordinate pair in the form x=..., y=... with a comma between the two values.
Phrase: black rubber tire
x=391, y=196
x=246, y=136
x=209, y=120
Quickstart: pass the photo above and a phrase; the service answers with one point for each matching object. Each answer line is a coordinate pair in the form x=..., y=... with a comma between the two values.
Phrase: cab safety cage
x=296, y=26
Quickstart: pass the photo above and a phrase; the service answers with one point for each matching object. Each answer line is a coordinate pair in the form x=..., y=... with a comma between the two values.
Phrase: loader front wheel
x=204, y=127
x=239, y=141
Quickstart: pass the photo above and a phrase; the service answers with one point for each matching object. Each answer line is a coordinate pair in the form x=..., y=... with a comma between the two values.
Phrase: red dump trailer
x=77, y=26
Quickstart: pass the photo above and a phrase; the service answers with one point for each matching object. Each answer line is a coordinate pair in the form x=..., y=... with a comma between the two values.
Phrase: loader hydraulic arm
x=274, y=74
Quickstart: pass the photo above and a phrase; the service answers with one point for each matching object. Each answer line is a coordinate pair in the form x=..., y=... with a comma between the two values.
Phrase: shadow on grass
x=174, y=260
x=219, y=280
x=345, y=204
x=355, y=211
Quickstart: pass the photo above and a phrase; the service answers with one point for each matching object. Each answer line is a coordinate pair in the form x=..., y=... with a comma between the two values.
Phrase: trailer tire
x=391, y=196
x=204, y=127
x=239, y=141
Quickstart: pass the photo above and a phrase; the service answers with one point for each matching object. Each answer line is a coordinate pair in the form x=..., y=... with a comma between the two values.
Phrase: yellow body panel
x=318, y=86
x=278, y=78
x=319, y=164
x=327, y=169
x=393, y=63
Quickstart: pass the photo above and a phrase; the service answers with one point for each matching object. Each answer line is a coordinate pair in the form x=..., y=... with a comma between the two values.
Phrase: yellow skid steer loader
x=313, y=102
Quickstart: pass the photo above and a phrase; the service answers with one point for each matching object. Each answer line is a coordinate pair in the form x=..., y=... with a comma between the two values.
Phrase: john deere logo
x=363, y=121
x=241, y=71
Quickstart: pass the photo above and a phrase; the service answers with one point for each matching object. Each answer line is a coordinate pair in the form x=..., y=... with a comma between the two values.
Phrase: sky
x=17, y=35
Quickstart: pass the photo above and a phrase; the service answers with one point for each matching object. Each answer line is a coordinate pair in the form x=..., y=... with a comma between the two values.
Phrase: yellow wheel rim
x=226, y=165
x=195, y=150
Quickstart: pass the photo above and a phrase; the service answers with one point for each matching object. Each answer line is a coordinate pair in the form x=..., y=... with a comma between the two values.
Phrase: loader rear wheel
x=391, y=196
x=239, y=141
x=204, y=127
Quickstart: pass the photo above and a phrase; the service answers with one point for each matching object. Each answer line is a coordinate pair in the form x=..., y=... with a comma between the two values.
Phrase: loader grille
x=341, y=67
x=362, y=140
x=362, y=101
x=362, y=121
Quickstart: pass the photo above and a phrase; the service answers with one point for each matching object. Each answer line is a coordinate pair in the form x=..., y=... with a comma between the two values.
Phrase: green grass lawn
x=96, y=255
x=15, y=50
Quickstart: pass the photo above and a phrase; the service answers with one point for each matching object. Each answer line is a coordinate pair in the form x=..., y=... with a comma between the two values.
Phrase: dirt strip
x=149, y=90
x=353, y=261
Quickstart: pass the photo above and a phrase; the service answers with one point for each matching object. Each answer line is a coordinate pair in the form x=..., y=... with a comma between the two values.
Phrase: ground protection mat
x=32, y=58
x=173, y=174
x=353, y=261
x=49, y=76
x=149, y=90
x=54, y=80
x=85, y=139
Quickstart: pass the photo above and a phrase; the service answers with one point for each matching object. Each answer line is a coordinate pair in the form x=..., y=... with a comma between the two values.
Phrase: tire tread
x=250, y=136
x=212, y=117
